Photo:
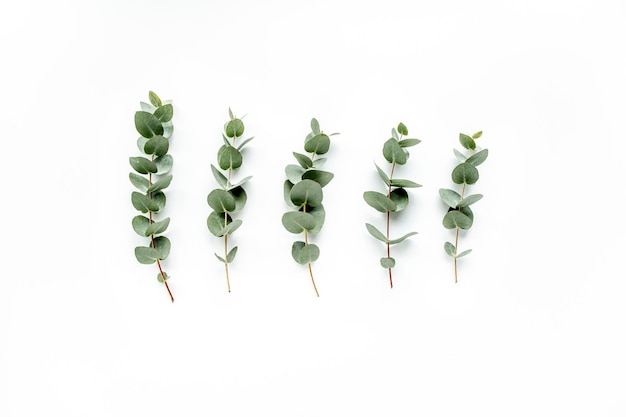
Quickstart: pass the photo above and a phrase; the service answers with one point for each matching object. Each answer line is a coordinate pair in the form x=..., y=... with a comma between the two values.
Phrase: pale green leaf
x=221, y=201
x=387, y=262
x=318, y=144
x=240, y=196
x=455, y=218
x=377, y=234
x=401, y=239
x=320, y=177
x=160, y=184
x=294, y=173
x=157, y=145
x=315, y=126
x=379, y=201
x=142, y=165
x=478, y=158
x=320, y=216
x=244, y=143
x=164, y=164
x=459, y=155
x=154, y=99
x=465, y=173
x=219, y=177
x=407, y=143
x=307, y=254
x=393, y=152
x=450, y=197
x=477, y=135
x=229, y=157
x=231, y=254
x=159, y=199
x=467, y=141
x=234, y=128
x=162, y=245
x=402, y=129
x=470, y=199
x=400, y=197
x=306, y=192
x=143, y=203
x=304, y=161
x=147, y=124
x=297, y=221
x=138, y=181
x=140, y=225
x=157, y=227
x=382, y=174
x=449, y=248
x=465, y=252
x=404, y=183
x=146, y=255
x=240, y=183
x=164, y=113
x=231, y=227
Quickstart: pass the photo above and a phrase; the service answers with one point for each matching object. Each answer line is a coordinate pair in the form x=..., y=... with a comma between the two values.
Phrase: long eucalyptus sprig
x=154, y=124
x=303, y=193
x=460, y=215
x=396, y=199
x=231, y=198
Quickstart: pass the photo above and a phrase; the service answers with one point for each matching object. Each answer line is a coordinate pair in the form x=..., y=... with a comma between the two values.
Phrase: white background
x=534, y=326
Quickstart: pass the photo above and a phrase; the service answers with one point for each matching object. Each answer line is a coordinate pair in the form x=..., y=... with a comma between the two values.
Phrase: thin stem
x=393, y=167
x=306, y=242
x=229, y=172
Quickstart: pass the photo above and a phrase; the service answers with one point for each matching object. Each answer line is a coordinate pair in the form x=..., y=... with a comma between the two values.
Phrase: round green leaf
x=160, y=277
x=143, y=202
x=142, y=165
x=306, y=192
x=164, y=113
x=287, y=186
x=221, y=201
x=146, y=255
x=455, y=218
x=402, y=129
x=147, y=124
x=234, y=128
x=478, y=158
x=157, y=146
x=297, y=221
x=304, y=254
x=229, y=157
x=318, y=144
x=294, y=173
x=159, y=199
x=379, y=201
x=400, y=197
x=467, y=141
x=387, y=262
x=449, y=248
x=231, y=254
x=140, y=225
x=465, y=173
x=320, y=215
x=164, y=164
x=320, y=177
x=240, y=196
x=393, y=152
x=315, y=126
x=450, y=197
x=162, y=245
x=154, y=99
x=157, y=227
x=216, y=224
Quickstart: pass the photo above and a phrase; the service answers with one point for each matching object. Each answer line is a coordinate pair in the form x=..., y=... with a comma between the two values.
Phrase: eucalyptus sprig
x=460, y=215
x=396, y=199
x=303, y=194
x=231, y=197
x=154, y=124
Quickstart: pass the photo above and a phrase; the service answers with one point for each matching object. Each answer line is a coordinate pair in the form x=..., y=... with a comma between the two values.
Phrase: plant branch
x=393, y=167
x=158, y=262
x=456, y=240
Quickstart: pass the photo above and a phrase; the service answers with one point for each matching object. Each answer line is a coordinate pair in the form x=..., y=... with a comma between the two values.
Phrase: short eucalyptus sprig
x=303, y=193
x=396, y=199
x=460, y=215
x=154, y=124
x=231, y=198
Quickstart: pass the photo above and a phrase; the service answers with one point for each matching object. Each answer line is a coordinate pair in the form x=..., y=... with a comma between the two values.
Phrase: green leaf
x=219, y=257
x=318, y=144
x=455, y=218
x=304, y=161
x=387, y=262
x=240, y=183
x=404, y=183
x=449, y=248
x=320, y=177
x=306, y=254
x=393, y=152
x=230, y=114
x=320, y=216
x=470, y=199
x=244, y=143
x=450, y=197
x=143, y=203
x=315, y=126
x=467, y=141
x=142, y=165
x=294, y=173
x=231, y=227
x=157, y=227
x=164, y=164
x=140, y=225
x=147, y=124
x=296, y=248
x=400, y=197
x=164, y=113
x=221, y=201
x=319, y=162
x=160, y=184
x=402, y=129
x=462, y=254
x=379, y=201
x=162, y=245
x=147, y=107
x=287, y=186
x=407, y=143
x=231, y=254
x=478, y=158
x=240, y=196
x=468, y=212
x=297, y=221
x=477, y=135
x=160, y=277
x=229, y=158
x=159, y=199
x=377, y=234
x=168, y=129
x=215, y=223
x=234, y=128
x=146, y=255
x=401, y=239
x=459, y=156
x=157, y=145
x=219, y=177
x=465, y=173
x=306, y=192
x=138, y=181
x=154, y=99
x=382, y=174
